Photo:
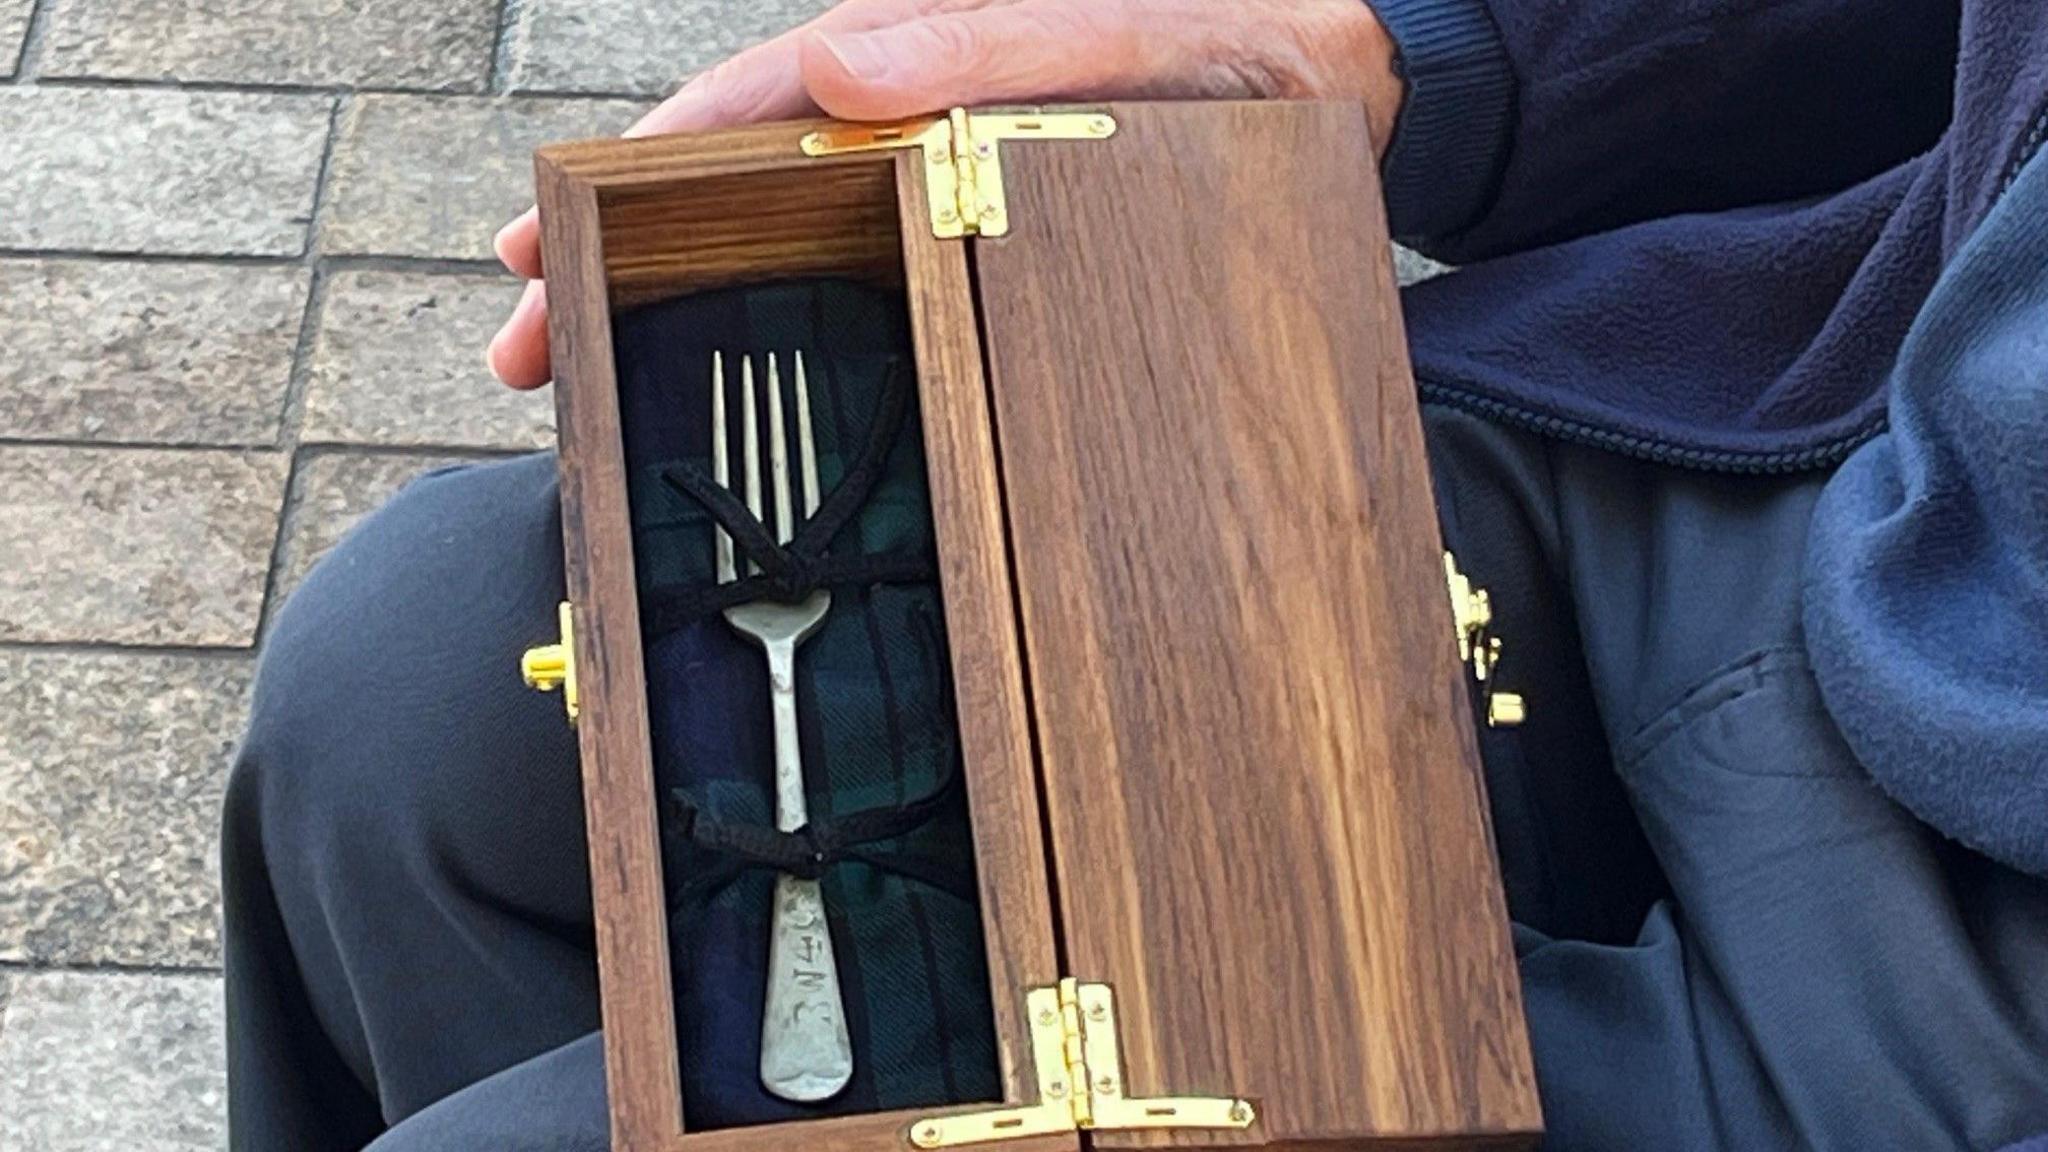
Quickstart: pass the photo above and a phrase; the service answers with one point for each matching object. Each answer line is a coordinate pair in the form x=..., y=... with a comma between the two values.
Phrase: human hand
x=893, y=59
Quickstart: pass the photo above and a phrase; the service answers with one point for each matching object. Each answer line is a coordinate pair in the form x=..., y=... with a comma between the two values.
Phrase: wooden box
x=1219, y=745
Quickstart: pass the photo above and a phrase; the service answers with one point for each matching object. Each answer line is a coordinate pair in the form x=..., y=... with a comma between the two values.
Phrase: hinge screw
x=948, y=215
x=926, y=1136
x=1098, y=1013
x=1048, y=1018
x=991, y=210
x=1240, y=1113
x=1100, y=125
x=1105, y=1084
x=1056, y=1089
x=984, y=149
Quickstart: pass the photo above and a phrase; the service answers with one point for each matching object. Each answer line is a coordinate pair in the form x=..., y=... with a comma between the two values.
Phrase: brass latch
x=1080, y=1082
x=1472, y=616
x=963, y=167
x=553, y=666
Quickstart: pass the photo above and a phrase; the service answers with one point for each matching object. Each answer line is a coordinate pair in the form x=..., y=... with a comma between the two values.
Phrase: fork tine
x=721, y=467
x=778, y=455
x=750, y=448
x=807, y=448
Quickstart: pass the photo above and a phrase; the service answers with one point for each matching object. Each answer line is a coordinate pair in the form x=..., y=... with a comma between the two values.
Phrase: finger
x=762, y=83
x=1017, y=52
x=765, y=82
x=518, y=354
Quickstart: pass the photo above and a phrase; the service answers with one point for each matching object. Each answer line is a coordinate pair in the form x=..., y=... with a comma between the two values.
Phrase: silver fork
x=805, y=1052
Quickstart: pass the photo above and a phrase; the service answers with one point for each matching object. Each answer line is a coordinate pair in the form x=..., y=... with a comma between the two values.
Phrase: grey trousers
x=1729, y=939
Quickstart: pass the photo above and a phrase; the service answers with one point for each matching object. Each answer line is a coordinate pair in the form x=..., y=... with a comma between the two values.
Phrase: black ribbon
x=813, y=849
x=790, y=572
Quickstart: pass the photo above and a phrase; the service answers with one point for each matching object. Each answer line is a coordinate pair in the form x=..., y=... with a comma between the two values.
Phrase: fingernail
x=863, y=57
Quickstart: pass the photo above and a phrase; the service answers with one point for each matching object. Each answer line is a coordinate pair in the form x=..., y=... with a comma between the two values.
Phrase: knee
x=387, y=701
x=554, y=1102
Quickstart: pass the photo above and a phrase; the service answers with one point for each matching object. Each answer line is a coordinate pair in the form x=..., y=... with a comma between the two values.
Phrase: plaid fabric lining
x=874, y=708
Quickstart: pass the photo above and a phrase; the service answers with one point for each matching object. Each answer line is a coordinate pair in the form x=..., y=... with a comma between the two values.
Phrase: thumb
x=1025, y=52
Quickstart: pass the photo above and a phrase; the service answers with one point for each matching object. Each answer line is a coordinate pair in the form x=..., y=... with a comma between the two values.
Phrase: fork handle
x=791, y=808
x=806, y=1054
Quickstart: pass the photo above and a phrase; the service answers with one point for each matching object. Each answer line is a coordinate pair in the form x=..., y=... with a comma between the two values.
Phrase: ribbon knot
x=798, y=578
x=814, y=849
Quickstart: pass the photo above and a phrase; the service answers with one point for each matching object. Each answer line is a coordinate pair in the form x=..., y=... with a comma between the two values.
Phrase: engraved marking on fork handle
x=806, y=1054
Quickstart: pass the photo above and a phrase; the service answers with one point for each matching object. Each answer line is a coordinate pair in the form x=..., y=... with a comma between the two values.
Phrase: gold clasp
x=553, y=666
x=963, y=167
x=1080, y=1082
x=1472, y=616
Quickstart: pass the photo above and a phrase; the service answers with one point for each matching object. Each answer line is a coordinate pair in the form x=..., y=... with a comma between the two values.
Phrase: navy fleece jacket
x=1926, y=598
x=1696, y=230
x=1701, y=231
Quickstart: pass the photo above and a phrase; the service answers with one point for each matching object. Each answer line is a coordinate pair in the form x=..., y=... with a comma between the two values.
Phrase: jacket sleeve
x=1528, y=122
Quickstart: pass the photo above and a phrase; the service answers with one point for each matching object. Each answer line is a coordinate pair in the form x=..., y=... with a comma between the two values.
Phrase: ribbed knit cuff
x=1444, y=163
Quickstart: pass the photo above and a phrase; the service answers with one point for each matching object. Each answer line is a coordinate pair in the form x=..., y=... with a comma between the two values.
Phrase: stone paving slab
x=332, y=493
x=444, y=45
x=636, y=46
x=13, y=30
x=420, y=176
x=399, y=361
x=150, y=170
x=164, y=353
x=131, y=546
x=98, y=1061
x=111, y=771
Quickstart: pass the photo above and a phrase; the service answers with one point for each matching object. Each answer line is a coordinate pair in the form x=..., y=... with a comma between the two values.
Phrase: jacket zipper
x=2029, y=146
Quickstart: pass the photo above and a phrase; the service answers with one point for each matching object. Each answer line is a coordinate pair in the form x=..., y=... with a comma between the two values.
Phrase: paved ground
x=244, y=287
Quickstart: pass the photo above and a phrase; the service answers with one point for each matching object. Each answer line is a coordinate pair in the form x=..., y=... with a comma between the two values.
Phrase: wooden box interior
x=633, y=222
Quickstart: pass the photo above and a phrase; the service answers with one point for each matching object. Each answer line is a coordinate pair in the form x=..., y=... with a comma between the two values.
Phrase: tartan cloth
x=875, y=714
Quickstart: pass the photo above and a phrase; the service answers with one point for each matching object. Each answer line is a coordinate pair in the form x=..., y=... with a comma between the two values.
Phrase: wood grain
x=746, y=228
x=616, y=164
x=981, y=620
x=1254, y=734
x=689, y=213
x=641, y=1070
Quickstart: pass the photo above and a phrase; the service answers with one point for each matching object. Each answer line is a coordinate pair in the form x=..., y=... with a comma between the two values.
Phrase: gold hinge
x=1080, y=1082
x=963, y=166
x=1472, y=616
x=553, y=666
